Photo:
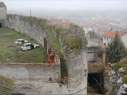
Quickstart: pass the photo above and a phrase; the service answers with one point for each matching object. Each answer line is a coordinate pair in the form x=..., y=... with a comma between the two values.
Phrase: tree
x=63, y=64
x=57, y=44
x=116, y=50
x=63, y=46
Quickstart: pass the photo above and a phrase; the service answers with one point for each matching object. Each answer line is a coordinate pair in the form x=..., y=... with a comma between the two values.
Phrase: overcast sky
x=62, y=7
x=67, y=4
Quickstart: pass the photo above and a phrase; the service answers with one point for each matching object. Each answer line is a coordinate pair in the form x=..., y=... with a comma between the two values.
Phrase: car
x=19, y=41
x=25, y=41
x=27, y=46
x=36, y=45
x=125, y=86
x=124, y=91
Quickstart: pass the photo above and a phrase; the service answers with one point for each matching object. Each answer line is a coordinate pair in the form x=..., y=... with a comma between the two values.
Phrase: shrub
x=125, y=79
x=73, y=42
x=116, y=50
x=117, y=66
x=6, y=86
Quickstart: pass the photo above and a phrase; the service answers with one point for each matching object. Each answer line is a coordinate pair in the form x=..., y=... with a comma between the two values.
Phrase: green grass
x=6, y=86
x=11, y=53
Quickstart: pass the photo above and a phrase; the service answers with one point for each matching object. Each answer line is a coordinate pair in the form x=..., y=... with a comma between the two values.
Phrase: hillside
x=55, y=30
x=11, y=53
x=70, y=34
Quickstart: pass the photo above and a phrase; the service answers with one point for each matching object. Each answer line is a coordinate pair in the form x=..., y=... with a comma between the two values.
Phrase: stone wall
x=30, y=71
x=77, y=65
x=3, y=13
x=35, y=77
x=20, y=24
x=78, y=74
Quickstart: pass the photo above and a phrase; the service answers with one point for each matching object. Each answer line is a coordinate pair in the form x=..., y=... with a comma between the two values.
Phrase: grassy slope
x=70, y=36
x=10, y=53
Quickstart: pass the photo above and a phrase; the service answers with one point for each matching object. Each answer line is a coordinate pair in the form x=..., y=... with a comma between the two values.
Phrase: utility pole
x=30, y=13
x=30, y=17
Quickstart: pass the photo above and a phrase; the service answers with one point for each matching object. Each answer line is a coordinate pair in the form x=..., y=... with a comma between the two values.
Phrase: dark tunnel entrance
x=96, y=82
x=0, y=25
x=17, y=94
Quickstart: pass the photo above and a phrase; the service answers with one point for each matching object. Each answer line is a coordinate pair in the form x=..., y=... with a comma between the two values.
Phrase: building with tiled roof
x=109, y=36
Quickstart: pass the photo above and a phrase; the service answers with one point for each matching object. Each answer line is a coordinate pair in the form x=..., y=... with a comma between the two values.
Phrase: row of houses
x=98, y=41
x=104, y=38
x=109, y=36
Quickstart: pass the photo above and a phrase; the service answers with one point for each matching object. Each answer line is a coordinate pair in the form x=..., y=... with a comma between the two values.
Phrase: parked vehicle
x=36, y=45
x=27, y=46
x=19, y=41
x=25, y=41
x=124, y=89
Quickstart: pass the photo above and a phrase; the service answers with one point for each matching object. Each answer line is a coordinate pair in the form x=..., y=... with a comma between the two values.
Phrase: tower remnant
x=3, y=13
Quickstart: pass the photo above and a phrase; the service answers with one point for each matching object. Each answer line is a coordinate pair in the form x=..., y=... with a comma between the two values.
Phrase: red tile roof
x=111, y=34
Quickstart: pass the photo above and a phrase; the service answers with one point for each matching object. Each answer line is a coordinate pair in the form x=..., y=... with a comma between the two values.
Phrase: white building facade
x=107, y=40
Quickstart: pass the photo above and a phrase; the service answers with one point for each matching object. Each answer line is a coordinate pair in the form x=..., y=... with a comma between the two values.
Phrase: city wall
x=77, y=84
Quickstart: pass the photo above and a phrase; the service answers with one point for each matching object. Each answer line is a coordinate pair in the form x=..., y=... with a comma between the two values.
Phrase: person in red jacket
x=51, y=57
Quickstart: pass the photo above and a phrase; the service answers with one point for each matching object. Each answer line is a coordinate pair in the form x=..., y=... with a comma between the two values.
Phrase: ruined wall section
x=77, y=70
x=34, y=75
x=30, y=71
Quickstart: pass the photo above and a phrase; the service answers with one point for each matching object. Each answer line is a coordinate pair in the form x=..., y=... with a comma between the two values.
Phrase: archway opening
x=96, y=82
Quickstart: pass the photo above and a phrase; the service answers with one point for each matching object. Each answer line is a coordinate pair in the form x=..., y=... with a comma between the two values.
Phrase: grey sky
x=67, y=4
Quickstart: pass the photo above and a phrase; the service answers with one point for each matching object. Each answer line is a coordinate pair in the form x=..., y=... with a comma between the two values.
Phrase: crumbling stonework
x=38, y=75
